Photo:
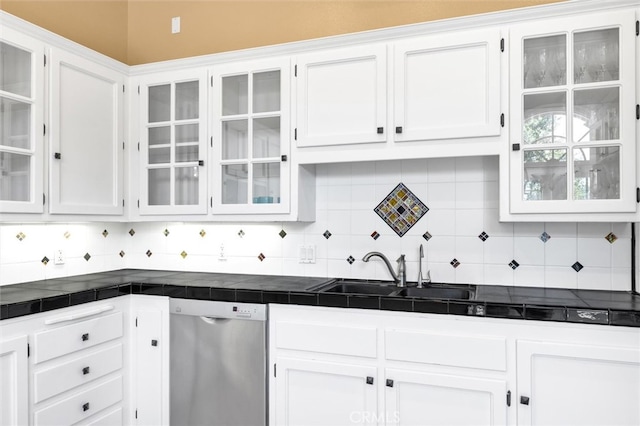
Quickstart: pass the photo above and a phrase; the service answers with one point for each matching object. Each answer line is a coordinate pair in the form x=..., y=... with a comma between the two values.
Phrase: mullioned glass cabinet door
x=251, y=138
x=21, y=121
x=573, y=124
x=173, y=148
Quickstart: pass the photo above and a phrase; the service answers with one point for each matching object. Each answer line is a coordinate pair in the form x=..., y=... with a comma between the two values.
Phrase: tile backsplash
x=462, y=238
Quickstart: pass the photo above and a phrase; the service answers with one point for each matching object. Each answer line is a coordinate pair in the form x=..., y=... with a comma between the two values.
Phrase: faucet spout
x=399, y=278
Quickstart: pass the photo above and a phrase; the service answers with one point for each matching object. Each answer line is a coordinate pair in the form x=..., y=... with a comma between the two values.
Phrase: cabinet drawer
x=62, y=377
x=64, y=340
x=487, y=352
x=81, y=405
x=113, y=418
x=333, y=339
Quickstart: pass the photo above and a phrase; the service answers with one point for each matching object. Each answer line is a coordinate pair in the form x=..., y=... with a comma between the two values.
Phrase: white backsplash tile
x=461, y=193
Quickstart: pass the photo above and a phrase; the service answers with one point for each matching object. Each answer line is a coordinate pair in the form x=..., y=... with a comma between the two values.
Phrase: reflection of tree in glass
x=541, y=128
x=544, y=155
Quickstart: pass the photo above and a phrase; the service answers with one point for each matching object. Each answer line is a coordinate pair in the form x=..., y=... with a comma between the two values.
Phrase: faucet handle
x=427, y=279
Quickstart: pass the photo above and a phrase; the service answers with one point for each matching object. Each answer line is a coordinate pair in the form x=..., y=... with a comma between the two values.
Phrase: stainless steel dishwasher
x=218, y=363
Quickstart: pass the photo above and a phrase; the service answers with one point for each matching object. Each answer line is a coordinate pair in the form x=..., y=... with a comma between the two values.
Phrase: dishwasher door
x=218, y=364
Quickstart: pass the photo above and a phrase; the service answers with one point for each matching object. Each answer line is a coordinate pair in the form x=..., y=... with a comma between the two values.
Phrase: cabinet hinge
x=136, y=414
x=44, y=129
x=123, y=202
x=138, y=203
x=274, y=370
x=211, y=81
x=502, y=45
x=45, y=60
x=136, y=321
x=211, y=202
x=44, y=198
x=295, y=134
x=637, y=112
x=637, y=28
x=295, y=70
x=138, y=89
x=502, y=120
x=211, y=142
x=138, y=146
x=28, y=350
x=508, y=398
x=637, y=195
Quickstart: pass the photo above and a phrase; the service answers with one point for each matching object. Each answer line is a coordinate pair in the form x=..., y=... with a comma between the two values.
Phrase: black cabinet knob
x=524, y=400
x=154, y=342
x=389, y=383
x=399, y=129
x=515, y=147
x=369, y=380
x=57, y=156
x=85, y=406
x=380, y=130
x=85, y=371
x=200, y=162
x=85, y=337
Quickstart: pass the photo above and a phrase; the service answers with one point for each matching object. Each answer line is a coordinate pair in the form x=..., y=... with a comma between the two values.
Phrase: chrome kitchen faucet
x=401, y=277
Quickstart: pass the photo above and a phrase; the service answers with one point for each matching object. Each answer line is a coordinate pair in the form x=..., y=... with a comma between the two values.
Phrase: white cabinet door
x=251, y=140
x=314, y=392
x=420, y=398
x=571, y=384
x=21, y=123
x=572, y=122
x=447, y=86
x=173, y=143
x=87, y=136
x=342, y=96
x=14, y=382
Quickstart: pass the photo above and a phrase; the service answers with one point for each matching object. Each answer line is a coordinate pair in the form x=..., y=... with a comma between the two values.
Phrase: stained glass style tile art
x=401, y=209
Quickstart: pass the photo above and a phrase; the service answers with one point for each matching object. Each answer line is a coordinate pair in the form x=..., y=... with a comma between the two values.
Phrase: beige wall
x=139, y=31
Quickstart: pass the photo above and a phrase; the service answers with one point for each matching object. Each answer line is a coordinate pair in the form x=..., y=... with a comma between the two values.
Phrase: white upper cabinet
x=250, y=120
x=173, y=148
x=573, y=126
x=342, y=96
x=21, y=123
x=87, y=136
x=447, y=86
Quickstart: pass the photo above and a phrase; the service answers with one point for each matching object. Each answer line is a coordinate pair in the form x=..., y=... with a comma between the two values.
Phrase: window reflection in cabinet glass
x=15, y=118
x=187, y=133
x=545, y=61
x=15, y=70
x=597, y=173
x=186, y=185
x=159, y=190
x=545, y=174
x=266, y=137
x=266, y=91
x=234, y=139
x=235, y=91
x=159, y=103
x=266, y=183
x=234, y=184
x=186, y=153
x=15, y=178
x=187, y=100
x=159, y=155
x=596, y=56
x=545, y=119
x=595, y=114
x=159, y=135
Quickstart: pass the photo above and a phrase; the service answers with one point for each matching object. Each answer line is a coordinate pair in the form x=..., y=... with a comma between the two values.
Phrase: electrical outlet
x=175, y=25
x=221, y=255
x=306, y=253
x=58, y=258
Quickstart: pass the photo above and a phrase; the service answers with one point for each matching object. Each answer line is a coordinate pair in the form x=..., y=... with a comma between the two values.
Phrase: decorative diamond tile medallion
x=87, y=256
x=282, y=234
x=484, y=236
x=327, y=234
x=67, y=235
x=241, y=233
x=544, y=237
x=611, y=237
x=455, y=263
x=45, y=260
x=132, y=232
x=202, y=233
x=166, y=232
x=148, y=253
x=375, y=235
x=21, y=236
x=350, y=259
x=122, y=253
x=105, y=233
x=401, y=209
x=513, y=264
x=577, y=266
x=261, y=257
x=427, y=235
x=183, y=254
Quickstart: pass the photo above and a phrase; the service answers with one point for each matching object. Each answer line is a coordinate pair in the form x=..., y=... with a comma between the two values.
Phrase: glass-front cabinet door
x=173, y=144
x=572, y=146
x=21, y=123
x=251, y=137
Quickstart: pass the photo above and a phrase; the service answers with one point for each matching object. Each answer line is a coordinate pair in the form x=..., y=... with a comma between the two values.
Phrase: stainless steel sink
x=359, y=287
x=388, y=288
x=437, y=292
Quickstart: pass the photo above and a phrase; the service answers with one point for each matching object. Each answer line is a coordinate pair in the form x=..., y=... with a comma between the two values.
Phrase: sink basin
x=378, y=288
x=437, y=292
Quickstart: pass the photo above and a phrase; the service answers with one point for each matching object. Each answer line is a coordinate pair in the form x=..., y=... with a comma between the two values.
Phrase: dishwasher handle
x=214, y=320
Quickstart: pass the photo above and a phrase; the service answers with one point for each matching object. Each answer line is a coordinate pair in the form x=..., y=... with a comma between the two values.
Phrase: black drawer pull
x=399, y=129
x=85, y=337
x=524, y=400
x=85, y=371
x=57, y=156
x=389, y=383
x=380, y=130
x=85, y=406
x=369, y=380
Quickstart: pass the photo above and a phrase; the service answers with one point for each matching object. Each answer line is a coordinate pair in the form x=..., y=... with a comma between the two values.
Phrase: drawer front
x=50, y=344
x=333, y=339
x=113, y=418
x=82, y=404
x=487, y=352
x=62, y=377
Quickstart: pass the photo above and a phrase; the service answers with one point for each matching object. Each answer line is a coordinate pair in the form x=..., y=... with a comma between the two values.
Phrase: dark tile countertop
x=527, y=303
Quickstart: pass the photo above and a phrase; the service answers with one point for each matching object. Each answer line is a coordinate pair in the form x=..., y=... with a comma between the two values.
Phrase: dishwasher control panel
x=215, y=309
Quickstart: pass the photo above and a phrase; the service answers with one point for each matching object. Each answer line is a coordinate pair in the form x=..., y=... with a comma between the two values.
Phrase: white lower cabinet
x=87, y=364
